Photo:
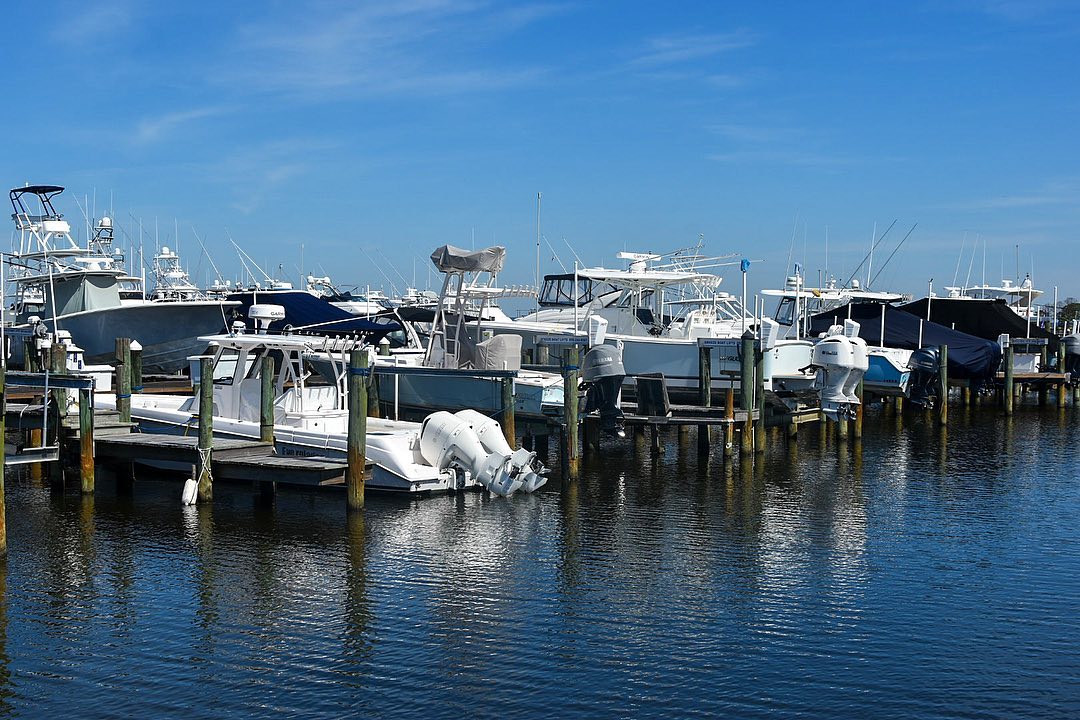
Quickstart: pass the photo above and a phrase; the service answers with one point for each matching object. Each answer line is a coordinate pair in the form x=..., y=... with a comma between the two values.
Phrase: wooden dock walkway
x=233, y=460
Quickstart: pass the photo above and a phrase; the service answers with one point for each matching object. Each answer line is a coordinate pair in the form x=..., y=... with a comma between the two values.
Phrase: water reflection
x=817, y=579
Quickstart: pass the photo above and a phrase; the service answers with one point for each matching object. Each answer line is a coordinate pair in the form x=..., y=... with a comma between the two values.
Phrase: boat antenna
x=826, y=255
x=555, y=255
x=574, y=253
x=886, y=263
x=245, y=259
x=538, y=197
x=873, y=242
x=791, y=245
x=207, y=254
x=868, y=255
x=959, y=257
x=393, y=267
x=382, y=272
x=971, y=261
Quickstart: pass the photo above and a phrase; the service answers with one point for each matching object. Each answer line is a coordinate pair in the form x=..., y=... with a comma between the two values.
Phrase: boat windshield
x=785, y=312
x=558, y=291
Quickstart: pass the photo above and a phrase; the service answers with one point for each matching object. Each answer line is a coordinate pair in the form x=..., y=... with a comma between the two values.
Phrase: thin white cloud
x=251, y=174
x=673, y=49
x=781, y=156
x=411, y=46
x=150, y=130
x=98, y=21
x=1058, y=192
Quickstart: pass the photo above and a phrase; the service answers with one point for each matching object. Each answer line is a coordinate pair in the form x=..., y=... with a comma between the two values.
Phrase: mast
x=538, y=196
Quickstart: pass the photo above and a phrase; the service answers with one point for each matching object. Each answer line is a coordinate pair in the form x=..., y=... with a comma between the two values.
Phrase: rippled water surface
x=909, y=578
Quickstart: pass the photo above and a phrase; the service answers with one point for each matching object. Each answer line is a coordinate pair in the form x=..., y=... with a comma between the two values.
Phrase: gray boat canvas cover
x=453, y=259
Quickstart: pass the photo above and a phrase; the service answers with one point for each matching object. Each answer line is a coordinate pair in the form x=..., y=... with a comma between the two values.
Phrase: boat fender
x=190, y=493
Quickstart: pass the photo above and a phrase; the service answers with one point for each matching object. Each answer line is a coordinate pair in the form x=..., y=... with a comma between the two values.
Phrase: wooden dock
x=233, y=460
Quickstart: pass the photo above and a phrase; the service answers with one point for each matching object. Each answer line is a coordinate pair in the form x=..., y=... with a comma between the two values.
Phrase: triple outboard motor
x=1072, y=355
x=473, y=445
x=923, y=386
x=834, y=358
x=602, y=375
x=524, y=465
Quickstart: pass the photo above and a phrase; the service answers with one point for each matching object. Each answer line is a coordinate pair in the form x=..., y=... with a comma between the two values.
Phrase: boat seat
x=652, y=395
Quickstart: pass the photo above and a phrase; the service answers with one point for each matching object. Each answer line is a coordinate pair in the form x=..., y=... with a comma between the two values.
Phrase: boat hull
x=534, y=397
x=167, y=331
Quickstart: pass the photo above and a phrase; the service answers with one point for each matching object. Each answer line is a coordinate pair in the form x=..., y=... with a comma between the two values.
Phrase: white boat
x=454, y=370
x=86, y=291
x=659, y=313
x=171, y=281
x=888, y=372
x=443, y=453
x=1020, y=298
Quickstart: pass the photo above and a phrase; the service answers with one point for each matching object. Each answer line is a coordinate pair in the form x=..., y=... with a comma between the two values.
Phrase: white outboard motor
x=447, y=441
x=523, y=463
x=860, y=361
x=834, y=358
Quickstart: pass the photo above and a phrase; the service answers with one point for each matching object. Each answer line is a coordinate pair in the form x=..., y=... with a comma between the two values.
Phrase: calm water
x=910, y=579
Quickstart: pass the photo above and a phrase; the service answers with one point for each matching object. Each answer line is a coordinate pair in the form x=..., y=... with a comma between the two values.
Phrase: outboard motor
x=1072, y=356
x=834, y=358
x=923, y=386
x=523, y=463
x=602, y=375
x=860, y=361
x=448, y=442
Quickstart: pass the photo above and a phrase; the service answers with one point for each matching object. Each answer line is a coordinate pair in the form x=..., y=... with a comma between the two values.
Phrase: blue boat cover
x=970, y=357
x=311, y=315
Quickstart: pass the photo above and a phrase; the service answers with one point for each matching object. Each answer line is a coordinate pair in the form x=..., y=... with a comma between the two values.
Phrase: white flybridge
x=1020, y=298
x=443, y=453
x=660, y=313
x=457, y=366
x=85, y=290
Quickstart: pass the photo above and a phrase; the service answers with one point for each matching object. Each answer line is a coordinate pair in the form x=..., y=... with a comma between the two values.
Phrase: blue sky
x=370, y=133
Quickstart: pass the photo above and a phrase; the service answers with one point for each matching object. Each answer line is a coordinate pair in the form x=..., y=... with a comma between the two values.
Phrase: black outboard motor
x=1072, y=356
x=924, y=365
x=602, y=376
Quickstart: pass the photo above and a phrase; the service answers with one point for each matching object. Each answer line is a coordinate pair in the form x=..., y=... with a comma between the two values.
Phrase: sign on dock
x=562, y=340
x=727, y=348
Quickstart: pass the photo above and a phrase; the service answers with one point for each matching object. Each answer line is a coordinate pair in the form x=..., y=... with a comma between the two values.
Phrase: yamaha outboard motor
x=602, y=376
x=1072, y=356
x=923, y=386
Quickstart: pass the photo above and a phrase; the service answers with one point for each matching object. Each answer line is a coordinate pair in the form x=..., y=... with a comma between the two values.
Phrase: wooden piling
x=1007, y=395
x=3, y=430
x=729, y=422
x=31, y=361
x=704, y=395
x=373, y=410
x=135, y=352
x=570, y=409
x=746, y=393
x=86, y=441
x=508, y=422
x=266, y=399
x=859, y=410
x=56, y=362
x=123, y=379
x=206, y=426
x=357, y=439
x=759, y=397
x=943, y=379
x=58, y=366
